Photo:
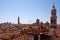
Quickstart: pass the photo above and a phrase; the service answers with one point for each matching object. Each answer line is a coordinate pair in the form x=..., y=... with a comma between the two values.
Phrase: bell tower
x=53, y=18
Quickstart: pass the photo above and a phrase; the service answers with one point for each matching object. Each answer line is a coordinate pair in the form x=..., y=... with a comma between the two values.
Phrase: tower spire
x=54, y=6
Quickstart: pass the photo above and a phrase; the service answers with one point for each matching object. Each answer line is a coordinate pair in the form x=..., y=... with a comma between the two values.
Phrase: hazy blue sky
x=27, y=10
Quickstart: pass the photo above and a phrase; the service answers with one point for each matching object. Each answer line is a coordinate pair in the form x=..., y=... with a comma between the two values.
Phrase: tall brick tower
x=18, y=20
x=53, y=18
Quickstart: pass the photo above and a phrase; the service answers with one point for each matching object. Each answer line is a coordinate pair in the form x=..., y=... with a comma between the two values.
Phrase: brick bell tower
x=18, y=20
x=53, y=18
